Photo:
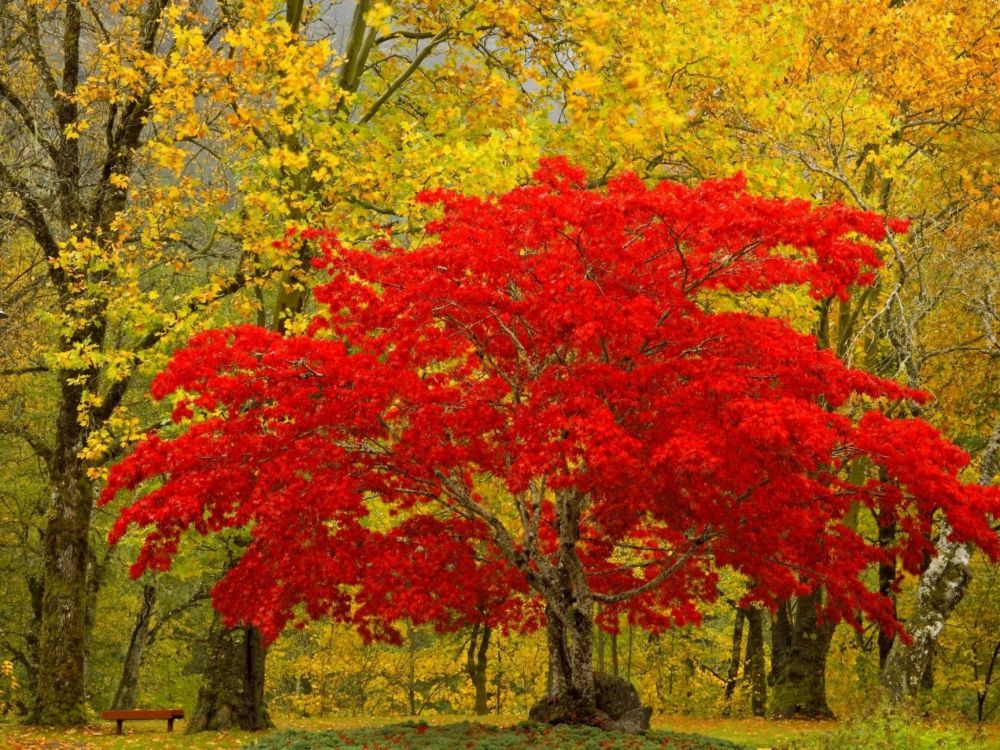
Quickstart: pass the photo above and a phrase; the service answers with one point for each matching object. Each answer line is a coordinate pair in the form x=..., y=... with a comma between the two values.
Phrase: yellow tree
x=66, y=163
x=884, y=105
x=153, y=149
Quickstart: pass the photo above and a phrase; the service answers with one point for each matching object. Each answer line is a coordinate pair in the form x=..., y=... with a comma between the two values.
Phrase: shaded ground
x=475, y=736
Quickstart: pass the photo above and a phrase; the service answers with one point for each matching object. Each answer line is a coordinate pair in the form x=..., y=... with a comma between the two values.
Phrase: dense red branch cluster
x=403, y=458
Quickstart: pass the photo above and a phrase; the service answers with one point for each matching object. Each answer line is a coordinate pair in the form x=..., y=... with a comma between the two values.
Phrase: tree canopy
x=552, y=401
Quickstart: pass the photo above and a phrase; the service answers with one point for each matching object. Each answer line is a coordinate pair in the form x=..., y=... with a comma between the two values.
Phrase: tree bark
x=781, y=640
x=128, y=684
x=559, y=666
x=61, y=688
x=799, y=673
x=36, y=591
x=232, y=690
x=754, y=670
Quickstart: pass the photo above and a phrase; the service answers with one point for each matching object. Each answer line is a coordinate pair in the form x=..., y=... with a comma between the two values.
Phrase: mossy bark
x=799, y=650
x=232, y=690
x=60, y=698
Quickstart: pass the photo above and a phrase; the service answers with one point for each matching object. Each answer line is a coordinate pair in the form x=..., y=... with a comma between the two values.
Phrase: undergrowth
x=473, y=736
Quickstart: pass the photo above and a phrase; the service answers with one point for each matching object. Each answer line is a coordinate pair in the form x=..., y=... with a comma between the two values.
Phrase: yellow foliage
x=254, y=130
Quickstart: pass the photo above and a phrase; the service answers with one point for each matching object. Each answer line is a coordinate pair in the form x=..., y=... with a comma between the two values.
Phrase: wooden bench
x=143, y=714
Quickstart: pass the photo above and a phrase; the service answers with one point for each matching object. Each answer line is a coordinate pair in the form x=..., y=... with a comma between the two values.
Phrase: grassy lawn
x=672, y=733
x=753, y=732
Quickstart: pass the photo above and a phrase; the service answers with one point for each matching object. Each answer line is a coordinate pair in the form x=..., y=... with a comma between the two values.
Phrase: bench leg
x=119, y=729
x=170, y=725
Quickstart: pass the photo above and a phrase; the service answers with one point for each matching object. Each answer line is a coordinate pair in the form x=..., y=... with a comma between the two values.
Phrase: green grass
x=756, y=733
x=448, y=732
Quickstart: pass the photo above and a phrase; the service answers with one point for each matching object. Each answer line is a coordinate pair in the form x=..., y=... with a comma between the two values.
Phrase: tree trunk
x=475, y=665
x=60, y=698
x=232, y=690
x=982, y=694
x=128, y=683
x=799, y=674
x=781, y=640
x=886, y=578
x=942, y=586
x=583, y=654
x=754, y=671
x=734, y=662
x=628, y=658
x=570, y=657
x=559, y=666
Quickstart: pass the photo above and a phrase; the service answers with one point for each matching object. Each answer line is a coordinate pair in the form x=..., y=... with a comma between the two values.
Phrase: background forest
x=152, y=151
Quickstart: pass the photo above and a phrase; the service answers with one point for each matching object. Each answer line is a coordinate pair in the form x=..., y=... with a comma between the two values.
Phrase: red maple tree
x=543, y=409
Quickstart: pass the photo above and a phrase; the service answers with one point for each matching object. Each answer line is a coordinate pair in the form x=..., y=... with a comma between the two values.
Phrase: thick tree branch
x=38, y=224
x=354, y=61
x=406, y=74
x=38, y=59
x=8, y=95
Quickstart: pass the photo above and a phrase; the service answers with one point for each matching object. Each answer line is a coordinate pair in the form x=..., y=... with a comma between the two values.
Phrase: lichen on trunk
x=941, y=588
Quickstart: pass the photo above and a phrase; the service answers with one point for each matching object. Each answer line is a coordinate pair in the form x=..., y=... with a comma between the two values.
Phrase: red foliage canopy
x=417, y=452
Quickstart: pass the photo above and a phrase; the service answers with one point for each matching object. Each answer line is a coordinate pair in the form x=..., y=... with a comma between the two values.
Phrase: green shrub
x=470, y=736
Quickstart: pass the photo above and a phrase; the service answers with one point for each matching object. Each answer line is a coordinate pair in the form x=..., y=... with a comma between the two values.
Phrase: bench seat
x=143, y=714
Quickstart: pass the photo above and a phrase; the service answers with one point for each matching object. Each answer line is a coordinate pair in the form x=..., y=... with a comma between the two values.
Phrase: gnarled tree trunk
x=60, y=694
x=800, y=645
x=232, y=690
